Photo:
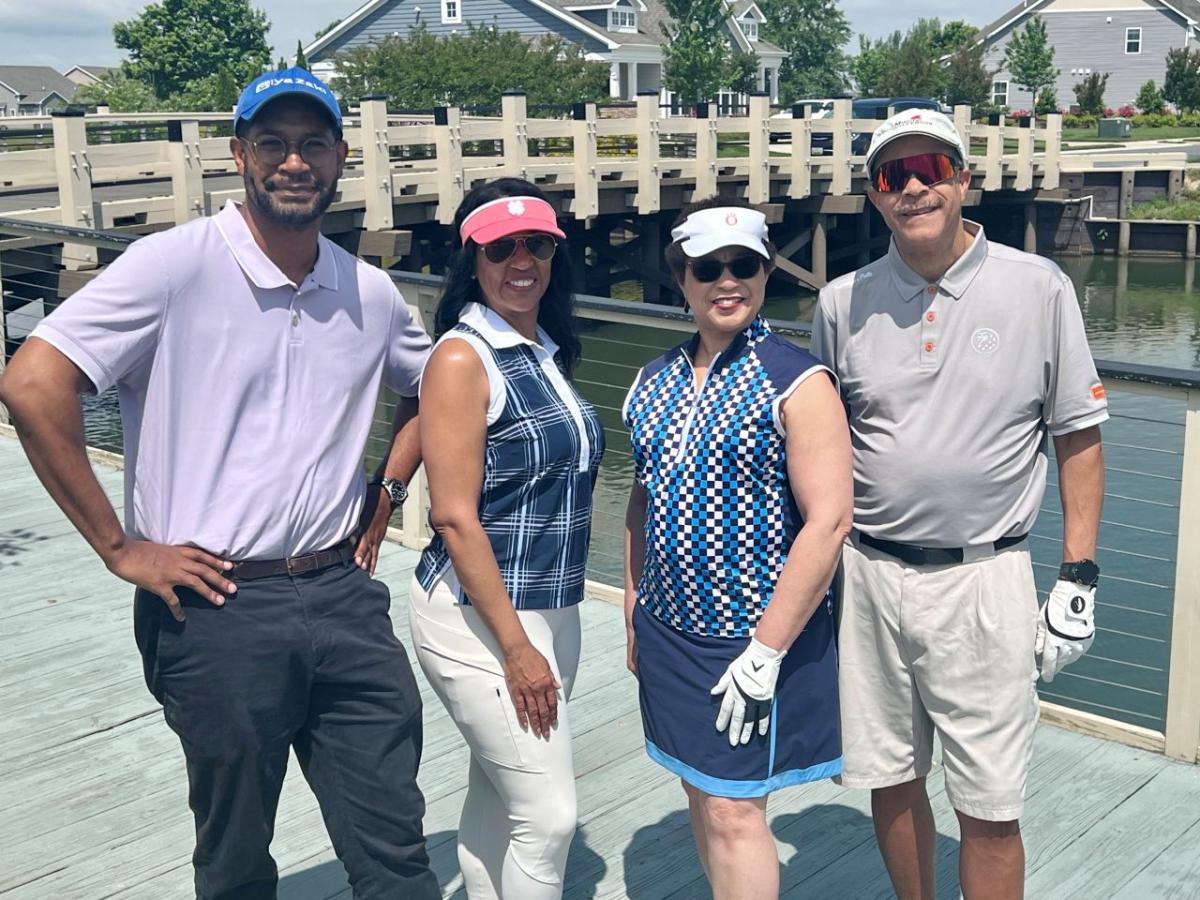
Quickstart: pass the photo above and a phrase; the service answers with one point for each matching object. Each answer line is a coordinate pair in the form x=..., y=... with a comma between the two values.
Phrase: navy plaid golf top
x=720, y=516
x=544, y=443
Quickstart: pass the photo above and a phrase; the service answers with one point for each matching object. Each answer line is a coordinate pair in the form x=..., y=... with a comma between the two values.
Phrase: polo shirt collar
x=957, y=278
x=498, y=333
x=258, y=266
x=751, y=334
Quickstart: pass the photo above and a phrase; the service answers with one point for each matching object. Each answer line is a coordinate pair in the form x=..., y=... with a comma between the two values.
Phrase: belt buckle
x=298, y=565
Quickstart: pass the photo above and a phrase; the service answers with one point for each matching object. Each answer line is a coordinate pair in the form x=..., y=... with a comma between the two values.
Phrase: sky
x=65, y=33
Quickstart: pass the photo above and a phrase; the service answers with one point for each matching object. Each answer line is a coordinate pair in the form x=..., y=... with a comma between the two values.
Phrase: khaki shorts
x=949, y=648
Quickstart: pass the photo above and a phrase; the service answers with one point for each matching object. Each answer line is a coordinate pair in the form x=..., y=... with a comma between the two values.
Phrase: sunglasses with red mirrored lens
x=928, y=168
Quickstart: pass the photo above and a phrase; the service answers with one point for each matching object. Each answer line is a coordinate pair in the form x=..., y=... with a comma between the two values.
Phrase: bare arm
x=1081, y=487
x=822, y=482
x=401, y=463
x=41, y=389
x=635, y=557
x=453, y=430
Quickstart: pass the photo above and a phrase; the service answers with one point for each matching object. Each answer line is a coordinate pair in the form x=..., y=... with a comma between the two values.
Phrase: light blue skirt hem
x=723, y=787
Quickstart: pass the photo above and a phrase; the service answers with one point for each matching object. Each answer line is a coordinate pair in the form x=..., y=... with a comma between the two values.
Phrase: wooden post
x=1024, y=176
x=820, y=251
x=1190, y=249
x=801, y=184
x=993, y=167
x=1128, y=180
x=74, y=183
x=583, y=138
x=842, y=112
x=864, y=236
x=1123, y=235
x=652, y=257
x=962, y=122
x=514, y=130
x=1183, y=686
x=448, y=145
x=1031, y=242
x=4, y=418
x=706, y=152
x=1052, y=160
x=377, y=164
x=758, y=190
x=187, y=174
x=649, y=194
x=1174, y=183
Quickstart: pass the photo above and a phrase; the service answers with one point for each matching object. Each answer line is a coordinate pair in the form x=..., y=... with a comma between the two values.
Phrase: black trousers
x=309, y=662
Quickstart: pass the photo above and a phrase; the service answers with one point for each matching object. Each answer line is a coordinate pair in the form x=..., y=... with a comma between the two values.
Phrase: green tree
x=812, y=32
x=966, y=79
x=874, y=58
x=1089, y=93
x=301, y=59
x=217, y=92
x=1150, y=99
x=696, y=57
x=741, y=72
x=952, y=37
x=1029, y=57
x=175, y=42
x=321, y=32
x=913, y=70
x=471, y=69
x=120, y=93
x=1181, y=87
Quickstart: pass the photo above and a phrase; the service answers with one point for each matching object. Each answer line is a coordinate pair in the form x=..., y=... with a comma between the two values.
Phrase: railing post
x=706, y=152
x=74, y=183
x=962, y=122
x=187, y=173
x=4, y=419
x=649, y=195
x=583, y=139
x=801, y=184
x=514, y=130
x=377, y=164
x=448, y=144
x=842, y=113
x=759, y=188
x=1183, y=685
x=1052, y=164
x=993, y=167
x=1024, y=176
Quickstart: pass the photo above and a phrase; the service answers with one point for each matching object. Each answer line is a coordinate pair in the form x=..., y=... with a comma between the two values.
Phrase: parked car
x=870, y=108
x=818, y=109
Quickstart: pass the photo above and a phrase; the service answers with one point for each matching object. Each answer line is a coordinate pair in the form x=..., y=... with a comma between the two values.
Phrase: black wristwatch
x=1084, y=572
x=396, y=489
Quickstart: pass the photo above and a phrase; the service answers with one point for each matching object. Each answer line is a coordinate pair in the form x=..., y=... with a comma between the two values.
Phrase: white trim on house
x=623, y=21
x=452, y=13
x=586, y=7
x=1128, y=40
x=996, y=82
x=1030, y=8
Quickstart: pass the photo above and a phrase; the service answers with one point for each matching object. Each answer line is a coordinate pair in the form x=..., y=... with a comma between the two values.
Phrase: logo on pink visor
x=509, y=215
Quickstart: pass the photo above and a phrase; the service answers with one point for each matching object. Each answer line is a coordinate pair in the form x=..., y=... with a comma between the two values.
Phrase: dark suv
x=871, y=108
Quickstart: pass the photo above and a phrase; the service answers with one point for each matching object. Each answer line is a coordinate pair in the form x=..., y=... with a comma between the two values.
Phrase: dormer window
x=451, y=12
x=750, y=29
x=622, y=20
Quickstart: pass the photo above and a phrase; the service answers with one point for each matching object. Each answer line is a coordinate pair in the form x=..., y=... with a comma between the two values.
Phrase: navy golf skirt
x=676, y=672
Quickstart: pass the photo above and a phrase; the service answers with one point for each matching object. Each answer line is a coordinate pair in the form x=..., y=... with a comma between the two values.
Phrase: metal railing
x=1139, y=684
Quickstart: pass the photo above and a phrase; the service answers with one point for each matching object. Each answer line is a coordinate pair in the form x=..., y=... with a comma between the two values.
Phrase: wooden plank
x=1172, y=875
x=1183, y=698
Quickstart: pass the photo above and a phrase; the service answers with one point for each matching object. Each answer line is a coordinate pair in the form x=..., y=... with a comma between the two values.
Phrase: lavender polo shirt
x=246, y=400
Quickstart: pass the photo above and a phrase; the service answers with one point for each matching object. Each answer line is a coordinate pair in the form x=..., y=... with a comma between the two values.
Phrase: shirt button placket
x=930, y=332
x=294, y=331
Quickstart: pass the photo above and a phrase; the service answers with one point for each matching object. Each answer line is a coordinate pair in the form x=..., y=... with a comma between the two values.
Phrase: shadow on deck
x=93, y=799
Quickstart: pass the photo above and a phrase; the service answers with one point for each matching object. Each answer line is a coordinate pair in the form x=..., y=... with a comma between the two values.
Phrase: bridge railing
x=398, y=158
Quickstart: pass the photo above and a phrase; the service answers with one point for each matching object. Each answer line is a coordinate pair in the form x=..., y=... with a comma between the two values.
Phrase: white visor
x=723, y=226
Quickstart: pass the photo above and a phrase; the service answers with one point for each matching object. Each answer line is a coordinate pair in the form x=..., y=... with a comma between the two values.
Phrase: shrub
x=1150, y=99
x=1126, y=111
x=1089, y=93
x=1079, y=121
x=1190, y=120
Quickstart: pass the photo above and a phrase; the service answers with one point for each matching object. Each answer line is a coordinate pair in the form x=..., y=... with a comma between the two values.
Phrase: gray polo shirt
x=952, y=388
x=246, y=400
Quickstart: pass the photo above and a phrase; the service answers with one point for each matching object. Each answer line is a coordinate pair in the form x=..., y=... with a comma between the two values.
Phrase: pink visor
x=509, y=215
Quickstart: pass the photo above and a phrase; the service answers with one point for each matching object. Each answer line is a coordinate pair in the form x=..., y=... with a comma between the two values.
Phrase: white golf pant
x=518, y=817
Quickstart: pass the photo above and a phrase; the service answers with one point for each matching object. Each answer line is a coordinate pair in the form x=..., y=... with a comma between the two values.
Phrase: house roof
x=36, y=83
x=1188, y=9
x=100, y=71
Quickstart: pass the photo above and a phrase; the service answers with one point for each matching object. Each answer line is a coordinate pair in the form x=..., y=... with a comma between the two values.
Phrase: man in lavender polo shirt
x=248, y=352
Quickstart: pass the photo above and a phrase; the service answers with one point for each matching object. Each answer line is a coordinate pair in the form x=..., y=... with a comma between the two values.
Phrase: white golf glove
x=749, y=687
x=1066, y=626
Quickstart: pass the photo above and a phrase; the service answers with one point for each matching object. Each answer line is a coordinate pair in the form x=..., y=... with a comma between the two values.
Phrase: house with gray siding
x=626, y=34
x=33, y=90
x=1129, y=39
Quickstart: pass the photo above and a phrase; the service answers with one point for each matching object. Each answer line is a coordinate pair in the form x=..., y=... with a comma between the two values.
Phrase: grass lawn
x=1137, y=134
x=1184, y=208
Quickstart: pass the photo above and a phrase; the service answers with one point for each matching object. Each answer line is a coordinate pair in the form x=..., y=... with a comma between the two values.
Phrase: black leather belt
x=915, y=555
x=293, y=565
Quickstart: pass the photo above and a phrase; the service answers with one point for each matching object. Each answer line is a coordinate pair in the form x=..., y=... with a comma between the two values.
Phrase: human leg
x=905, y=832
x=696, y=815
x=991, y=860
x=742, y=862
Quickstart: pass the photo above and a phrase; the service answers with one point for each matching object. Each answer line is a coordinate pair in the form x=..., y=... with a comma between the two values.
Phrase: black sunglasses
x=272, y=151
x=709, y=268
x=540, y=246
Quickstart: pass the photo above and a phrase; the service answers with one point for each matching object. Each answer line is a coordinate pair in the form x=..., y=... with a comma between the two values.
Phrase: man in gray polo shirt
x=956, y=358
x=248, y=351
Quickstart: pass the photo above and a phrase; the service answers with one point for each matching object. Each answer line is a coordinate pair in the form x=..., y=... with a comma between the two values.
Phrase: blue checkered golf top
x=543, y=451
x=720, y=517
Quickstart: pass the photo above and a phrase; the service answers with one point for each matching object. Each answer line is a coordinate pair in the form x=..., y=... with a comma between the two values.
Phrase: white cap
x=722, y=226
x=927, y=122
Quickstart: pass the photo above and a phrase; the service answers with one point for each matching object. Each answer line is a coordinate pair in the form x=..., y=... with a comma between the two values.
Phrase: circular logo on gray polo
x=985, y=341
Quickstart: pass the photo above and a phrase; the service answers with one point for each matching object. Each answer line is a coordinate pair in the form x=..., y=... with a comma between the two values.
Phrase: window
x=750, y=28
x=622, y=20
x=451, y=12
x=1000, y=93
x=1133, y=40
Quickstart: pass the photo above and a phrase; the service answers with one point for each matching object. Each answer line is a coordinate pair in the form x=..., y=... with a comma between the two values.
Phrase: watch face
x=396, y=489
x=1083, y=572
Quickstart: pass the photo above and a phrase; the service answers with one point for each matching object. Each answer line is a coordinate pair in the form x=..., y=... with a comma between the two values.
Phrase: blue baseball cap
x=293, y=81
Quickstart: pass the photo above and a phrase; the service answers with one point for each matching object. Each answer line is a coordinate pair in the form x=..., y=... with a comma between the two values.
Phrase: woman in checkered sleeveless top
x=741, y=500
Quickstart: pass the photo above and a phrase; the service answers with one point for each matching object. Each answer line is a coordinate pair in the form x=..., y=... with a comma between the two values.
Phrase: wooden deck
x=93, y=796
